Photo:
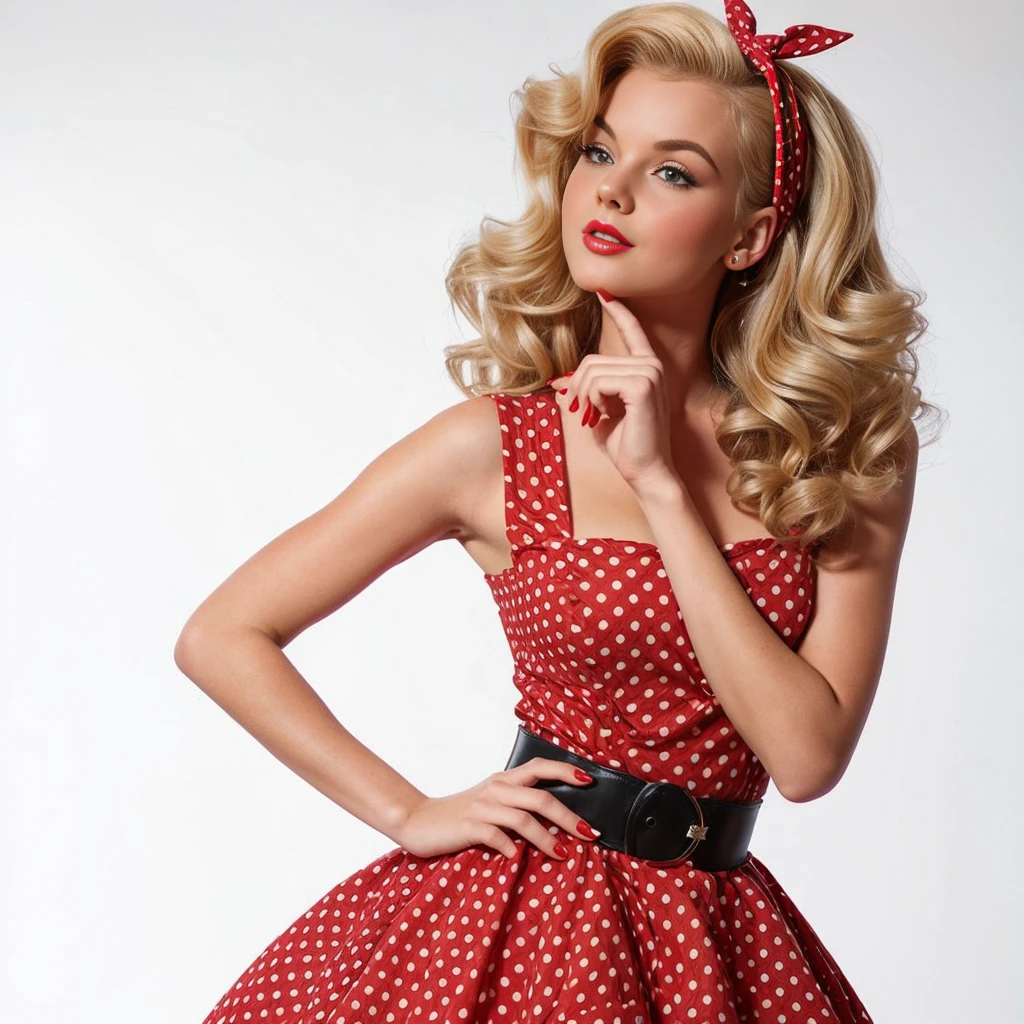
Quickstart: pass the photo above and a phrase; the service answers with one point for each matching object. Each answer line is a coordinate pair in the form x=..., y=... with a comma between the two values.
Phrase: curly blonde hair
x=816, y=354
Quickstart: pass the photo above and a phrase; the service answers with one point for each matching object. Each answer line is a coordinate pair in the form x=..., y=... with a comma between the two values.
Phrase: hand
x=623, y=399
x=481, y=814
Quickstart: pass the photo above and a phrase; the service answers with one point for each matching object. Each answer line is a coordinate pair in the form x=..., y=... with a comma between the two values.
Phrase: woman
x=722, y=475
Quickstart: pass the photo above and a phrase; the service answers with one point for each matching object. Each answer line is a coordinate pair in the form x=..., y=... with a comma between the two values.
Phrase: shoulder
x=475, y=435
x=463, y=445
x=470, y=431
x=878, y=521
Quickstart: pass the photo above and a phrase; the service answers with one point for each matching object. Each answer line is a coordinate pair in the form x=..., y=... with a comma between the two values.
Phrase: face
x=675, y=205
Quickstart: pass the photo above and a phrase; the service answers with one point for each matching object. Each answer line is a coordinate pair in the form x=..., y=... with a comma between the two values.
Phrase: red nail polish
x=574, y=404
x=582, y=775
x=585, y=830
x=586, y=414
x=604, y=295
x=560, y=850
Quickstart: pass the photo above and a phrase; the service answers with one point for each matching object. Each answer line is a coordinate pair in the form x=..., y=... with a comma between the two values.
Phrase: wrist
x=400, y=813
x=662, y=488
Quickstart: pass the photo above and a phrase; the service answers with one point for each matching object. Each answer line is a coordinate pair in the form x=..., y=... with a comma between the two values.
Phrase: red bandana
x=763, y=50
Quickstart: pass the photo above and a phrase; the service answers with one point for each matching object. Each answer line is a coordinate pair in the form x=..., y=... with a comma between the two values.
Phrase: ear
x=754, y=239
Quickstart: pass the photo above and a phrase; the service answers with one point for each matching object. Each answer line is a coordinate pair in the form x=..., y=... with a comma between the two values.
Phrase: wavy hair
x=816, y=354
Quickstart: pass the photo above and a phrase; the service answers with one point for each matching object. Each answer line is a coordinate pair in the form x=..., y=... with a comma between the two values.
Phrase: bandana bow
x=763, y=50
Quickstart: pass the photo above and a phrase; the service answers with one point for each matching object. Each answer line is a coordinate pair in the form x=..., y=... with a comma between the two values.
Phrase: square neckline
x=570, y=519
x=558, y=445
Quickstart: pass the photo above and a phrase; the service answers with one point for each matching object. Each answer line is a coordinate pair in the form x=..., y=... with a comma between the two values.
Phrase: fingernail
x=605, y=295
x=560, y=850
x=574, y=404
x=586, y=831
x=586, y=414
x=583, y=776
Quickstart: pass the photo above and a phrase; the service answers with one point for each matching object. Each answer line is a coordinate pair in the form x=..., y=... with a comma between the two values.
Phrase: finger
x=499, y=840
x=525, y=824
x=629, y=327
x=546, y=803
x=529, y=772
x=523, y=777
x=610, y=393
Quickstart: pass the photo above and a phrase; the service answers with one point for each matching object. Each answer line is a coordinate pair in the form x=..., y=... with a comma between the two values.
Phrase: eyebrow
x=666, y=145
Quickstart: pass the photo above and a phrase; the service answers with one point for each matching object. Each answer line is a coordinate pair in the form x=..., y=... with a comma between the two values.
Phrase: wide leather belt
x=657, y=821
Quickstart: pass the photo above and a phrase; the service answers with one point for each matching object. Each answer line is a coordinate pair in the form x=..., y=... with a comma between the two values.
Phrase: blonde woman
x=692, y=539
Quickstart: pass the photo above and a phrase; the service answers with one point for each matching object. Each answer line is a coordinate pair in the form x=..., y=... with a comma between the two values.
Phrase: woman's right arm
x=424, y=488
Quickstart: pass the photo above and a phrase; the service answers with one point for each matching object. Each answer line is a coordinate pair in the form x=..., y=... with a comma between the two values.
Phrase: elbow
x=810, y=785
x=183, y=652
x=804, y=794
x=186, y=648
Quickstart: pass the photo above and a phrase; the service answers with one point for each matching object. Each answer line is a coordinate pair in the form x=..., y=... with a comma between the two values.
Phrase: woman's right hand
x=439, y=825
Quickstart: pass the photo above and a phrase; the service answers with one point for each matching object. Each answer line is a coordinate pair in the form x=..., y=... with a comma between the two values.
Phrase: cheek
x=696, y=227
x=573, y=219
x=570, y=195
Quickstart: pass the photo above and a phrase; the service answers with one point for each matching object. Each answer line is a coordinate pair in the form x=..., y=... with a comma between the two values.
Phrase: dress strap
x=533, y=457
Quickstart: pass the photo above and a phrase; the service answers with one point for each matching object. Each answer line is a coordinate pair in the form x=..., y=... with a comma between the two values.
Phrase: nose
x=613, y=192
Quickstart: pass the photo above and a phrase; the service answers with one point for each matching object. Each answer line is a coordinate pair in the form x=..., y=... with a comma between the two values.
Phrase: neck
x=677, y=330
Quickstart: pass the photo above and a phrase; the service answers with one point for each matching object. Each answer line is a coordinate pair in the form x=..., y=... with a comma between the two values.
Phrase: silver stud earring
x=745, y=279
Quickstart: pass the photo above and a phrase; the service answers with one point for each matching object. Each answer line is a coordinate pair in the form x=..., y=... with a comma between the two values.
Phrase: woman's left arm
x=801, y=713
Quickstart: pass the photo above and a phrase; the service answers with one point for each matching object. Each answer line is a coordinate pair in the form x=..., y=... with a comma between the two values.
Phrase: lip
x=608, y=229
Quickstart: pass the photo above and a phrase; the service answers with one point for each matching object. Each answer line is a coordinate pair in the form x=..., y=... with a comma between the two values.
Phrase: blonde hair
x=816, y=354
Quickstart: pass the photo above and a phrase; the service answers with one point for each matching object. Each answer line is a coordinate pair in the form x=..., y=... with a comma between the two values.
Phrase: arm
x=801, y=713
x=422, y=489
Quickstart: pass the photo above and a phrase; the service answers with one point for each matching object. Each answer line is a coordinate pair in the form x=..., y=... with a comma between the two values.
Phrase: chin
x=590, y=282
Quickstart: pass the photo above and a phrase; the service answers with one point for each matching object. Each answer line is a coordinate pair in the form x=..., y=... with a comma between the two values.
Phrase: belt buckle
x=657, y=805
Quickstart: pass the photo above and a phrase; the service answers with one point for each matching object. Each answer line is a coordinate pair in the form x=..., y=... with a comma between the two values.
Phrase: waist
x=656, y=821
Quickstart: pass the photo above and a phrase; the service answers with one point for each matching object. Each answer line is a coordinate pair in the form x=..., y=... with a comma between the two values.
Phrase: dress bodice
x=602, y=659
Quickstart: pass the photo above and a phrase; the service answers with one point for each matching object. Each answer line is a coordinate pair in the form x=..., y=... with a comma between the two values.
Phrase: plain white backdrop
x=225, y=228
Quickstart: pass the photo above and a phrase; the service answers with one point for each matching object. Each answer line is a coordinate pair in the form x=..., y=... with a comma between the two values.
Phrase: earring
x=744, y=278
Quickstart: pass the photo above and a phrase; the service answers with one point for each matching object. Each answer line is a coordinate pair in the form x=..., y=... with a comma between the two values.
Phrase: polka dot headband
x=763, y=51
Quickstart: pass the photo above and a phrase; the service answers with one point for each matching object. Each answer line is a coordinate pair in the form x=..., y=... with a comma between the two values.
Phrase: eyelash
x=689, y=181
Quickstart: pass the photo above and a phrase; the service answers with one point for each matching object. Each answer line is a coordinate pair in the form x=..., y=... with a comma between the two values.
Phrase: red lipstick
x=605, y=246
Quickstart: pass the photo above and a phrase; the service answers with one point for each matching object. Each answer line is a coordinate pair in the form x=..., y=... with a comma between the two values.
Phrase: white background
x=224, y=233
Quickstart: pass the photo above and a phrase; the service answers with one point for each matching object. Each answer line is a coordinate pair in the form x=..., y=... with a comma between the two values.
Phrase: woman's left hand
x=625, y=396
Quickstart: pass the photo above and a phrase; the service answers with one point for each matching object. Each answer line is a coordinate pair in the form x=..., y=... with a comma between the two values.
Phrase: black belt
x=658, y=821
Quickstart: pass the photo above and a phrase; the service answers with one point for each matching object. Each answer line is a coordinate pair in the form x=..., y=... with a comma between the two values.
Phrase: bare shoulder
x=427, y=486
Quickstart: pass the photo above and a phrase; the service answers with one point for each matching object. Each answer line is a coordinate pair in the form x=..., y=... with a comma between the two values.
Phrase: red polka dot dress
x=604, y=668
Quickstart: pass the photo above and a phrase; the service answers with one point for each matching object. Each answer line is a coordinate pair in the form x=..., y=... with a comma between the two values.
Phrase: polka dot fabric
x=604, y=667
x=762, y=50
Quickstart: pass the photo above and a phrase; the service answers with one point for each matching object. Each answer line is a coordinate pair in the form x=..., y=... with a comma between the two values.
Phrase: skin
x=650, y=379
x=684, y=236
x=650, y=470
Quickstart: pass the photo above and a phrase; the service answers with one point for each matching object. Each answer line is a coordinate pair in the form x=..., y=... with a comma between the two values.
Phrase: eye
x=687, y=182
